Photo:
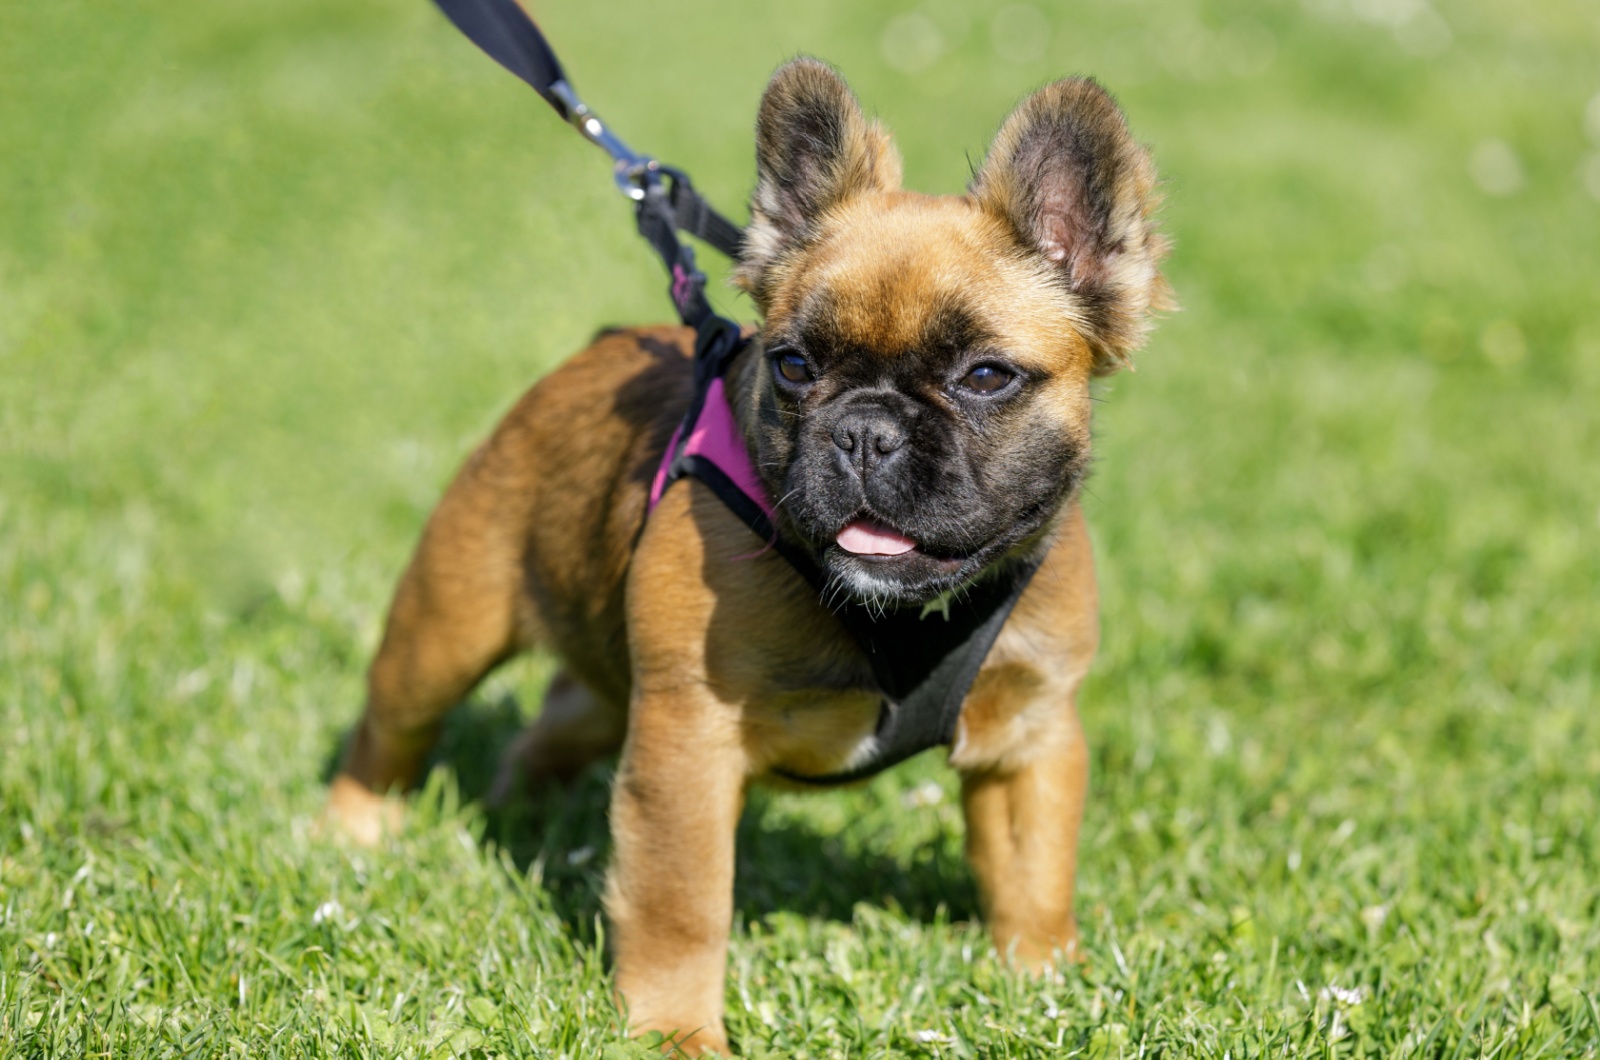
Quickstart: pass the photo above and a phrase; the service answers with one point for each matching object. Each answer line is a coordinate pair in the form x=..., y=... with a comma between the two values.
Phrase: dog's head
x=923, y=403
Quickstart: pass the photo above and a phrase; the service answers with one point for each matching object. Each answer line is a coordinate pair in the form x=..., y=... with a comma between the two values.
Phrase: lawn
x=267, y=271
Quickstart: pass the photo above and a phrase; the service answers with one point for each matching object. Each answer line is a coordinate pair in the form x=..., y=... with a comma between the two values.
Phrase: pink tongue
x=866, y=538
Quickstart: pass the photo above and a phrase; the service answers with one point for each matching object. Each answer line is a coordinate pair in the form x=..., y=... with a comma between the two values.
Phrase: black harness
x=925, y=660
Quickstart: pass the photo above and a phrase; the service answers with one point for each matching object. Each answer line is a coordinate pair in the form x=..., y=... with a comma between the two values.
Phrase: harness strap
x=945, y=655
x=658, y=223
x=696, y=216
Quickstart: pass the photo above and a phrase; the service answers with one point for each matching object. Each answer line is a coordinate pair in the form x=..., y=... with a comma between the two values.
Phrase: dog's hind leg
x=576, y=727
x=459, y=610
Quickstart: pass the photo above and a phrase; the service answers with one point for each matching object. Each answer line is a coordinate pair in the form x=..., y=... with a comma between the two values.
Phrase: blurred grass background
x=268, y=271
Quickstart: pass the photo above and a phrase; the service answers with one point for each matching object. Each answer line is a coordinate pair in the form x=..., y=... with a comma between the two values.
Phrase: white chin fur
x=864, y=585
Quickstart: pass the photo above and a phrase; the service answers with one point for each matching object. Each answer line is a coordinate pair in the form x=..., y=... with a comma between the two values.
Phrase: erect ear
x=1076, y=189
x=814, y=150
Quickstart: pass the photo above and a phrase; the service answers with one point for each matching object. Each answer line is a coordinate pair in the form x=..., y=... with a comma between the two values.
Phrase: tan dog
x=922, y=377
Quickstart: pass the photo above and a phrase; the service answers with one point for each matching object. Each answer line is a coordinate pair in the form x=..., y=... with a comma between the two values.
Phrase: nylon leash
x=665, y=202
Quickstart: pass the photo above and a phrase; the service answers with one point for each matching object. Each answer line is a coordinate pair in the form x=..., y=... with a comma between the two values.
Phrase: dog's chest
x=810, y=715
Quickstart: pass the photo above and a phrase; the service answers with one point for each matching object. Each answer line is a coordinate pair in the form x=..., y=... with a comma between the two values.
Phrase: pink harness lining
x=715, y=437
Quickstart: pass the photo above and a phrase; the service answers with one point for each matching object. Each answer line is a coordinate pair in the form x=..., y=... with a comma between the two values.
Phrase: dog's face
x=923, y=404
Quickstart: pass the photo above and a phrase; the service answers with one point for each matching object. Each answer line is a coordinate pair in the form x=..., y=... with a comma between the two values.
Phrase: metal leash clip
x=632, y=171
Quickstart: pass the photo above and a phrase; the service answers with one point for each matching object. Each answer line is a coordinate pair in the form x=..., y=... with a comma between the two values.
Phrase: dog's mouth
x=869, y=537
x=871, y=540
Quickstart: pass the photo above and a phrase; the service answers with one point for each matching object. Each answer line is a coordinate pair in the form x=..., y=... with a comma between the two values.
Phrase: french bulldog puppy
x=917, y=402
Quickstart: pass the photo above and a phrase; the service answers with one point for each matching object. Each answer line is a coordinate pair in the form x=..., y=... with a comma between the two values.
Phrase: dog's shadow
x=784, y=863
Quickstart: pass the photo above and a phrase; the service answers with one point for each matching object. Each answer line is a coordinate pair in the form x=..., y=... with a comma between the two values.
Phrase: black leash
x=665, y=202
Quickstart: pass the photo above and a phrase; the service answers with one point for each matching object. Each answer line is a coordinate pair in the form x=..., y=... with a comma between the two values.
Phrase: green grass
x=267, y=271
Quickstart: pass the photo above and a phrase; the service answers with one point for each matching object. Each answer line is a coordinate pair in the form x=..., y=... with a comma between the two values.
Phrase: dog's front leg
x=1022, y=843
x=679, y=792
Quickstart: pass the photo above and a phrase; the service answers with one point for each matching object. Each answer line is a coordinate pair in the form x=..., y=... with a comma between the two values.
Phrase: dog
x=918, y=401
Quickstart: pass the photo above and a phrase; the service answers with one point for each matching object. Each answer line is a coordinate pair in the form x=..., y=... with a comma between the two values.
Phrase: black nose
x=868, y=438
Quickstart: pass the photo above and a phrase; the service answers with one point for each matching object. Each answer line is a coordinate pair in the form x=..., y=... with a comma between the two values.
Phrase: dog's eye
x=987, y=379
x=793, y=367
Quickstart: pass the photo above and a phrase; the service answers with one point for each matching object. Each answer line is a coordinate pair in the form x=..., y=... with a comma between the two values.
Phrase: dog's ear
x=1067, y=177
x=814, y=150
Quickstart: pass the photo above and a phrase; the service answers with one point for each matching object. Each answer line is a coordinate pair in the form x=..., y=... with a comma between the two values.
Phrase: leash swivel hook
x=632, y=171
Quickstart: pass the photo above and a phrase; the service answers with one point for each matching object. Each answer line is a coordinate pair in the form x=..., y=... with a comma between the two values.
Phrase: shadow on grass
x=780, y=866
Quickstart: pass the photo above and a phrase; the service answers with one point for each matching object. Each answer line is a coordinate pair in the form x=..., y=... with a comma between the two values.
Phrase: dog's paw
x=356, y=814
x=1049, y=956
x=707, y=1041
